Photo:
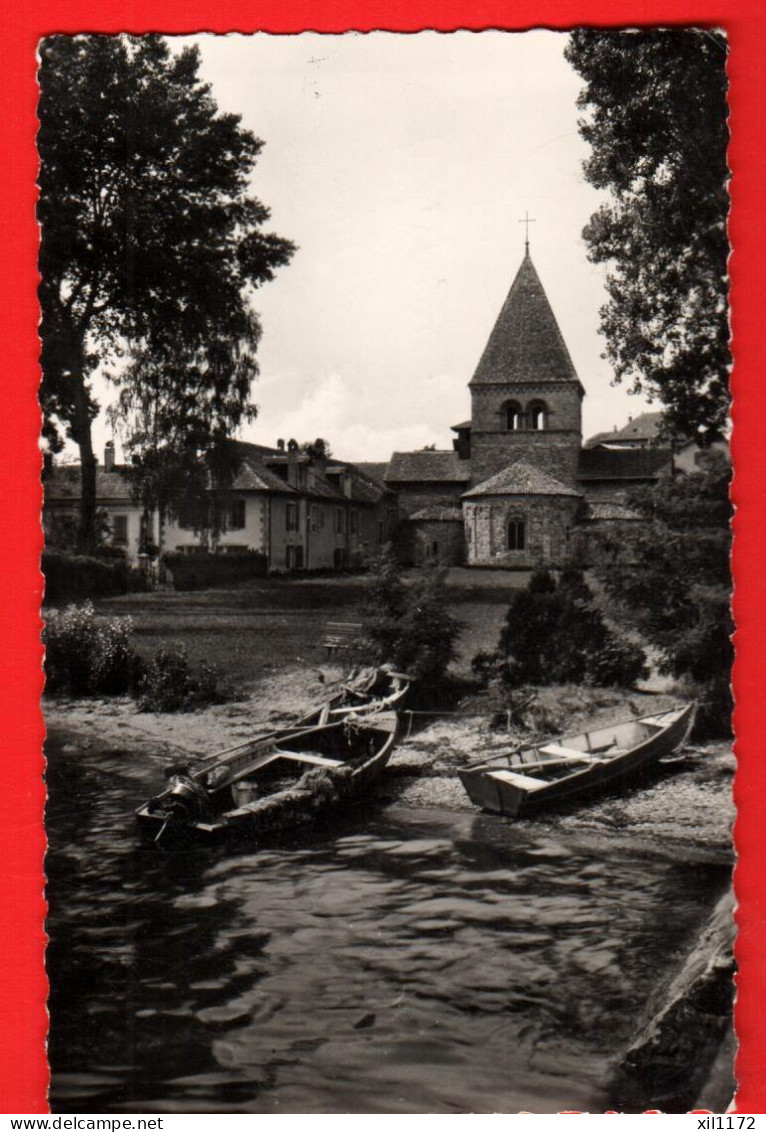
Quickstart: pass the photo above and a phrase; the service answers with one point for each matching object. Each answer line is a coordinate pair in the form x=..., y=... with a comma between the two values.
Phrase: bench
x=305, y=757
x=345, y=635
x=565, y=753
x=514, y=779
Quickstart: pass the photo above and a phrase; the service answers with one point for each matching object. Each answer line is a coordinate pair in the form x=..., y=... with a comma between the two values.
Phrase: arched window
x=537, y=415
x=514, y=417
x=516, y=534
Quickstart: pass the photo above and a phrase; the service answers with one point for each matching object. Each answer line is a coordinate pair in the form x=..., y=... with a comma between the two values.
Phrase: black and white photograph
x=385, y=431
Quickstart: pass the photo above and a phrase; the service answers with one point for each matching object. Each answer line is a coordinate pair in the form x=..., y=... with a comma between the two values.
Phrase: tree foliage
x=555, y=633
x=655, y=103
x=671, y=576
x=319, y=449
x=407, y=623
x=151, y=247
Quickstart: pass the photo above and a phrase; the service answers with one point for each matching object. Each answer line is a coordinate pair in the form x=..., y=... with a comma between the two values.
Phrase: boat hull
x=318, y=792
x=513, y=793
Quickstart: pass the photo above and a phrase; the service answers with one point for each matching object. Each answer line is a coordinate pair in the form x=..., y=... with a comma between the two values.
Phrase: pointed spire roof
x=526, y=343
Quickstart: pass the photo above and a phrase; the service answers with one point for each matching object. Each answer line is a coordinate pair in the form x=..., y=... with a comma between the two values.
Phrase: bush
x=200, y=570
x=408, y=626
x=172, y=683
x=87, y=657
x=72, y=577
x=555, y=634
x=62, y=532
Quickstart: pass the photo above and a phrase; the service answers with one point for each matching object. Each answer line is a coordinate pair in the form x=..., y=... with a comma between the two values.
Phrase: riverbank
x=688, y=804
x=267, y=641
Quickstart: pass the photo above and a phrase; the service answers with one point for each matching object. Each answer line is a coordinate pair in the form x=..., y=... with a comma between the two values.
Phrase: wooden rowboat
x=577, y=767
x=368, y=691
x=278, y=785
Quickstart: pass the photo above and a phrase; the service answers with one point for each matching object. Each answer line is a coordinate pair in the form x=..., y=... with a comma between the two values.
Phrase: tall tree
x=670, y=576
x=656, y=124
x=151, y=244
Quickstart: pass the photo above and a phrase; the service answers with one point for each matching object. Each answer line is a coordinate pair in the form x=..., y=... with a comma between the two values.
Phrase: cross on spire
x=527, y=220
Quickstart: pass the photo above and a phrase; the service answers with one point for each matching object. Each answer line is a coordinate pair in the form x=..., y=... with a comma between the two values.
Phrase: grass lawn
x=251, y=629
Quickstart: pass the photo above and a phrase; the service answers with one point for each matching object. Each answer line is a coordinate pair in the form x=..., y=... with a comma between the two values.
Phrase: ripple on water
x=414, y=962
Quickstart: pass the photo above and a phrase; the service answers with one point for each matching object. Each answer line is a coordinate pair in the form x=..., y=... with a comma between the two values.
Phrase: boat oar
x=162, y=829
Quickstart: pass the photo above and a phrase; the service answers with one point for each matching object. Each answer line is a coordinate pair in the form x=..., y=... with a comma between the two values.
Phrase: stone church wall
x=547, y=523
x=414, y=497
x=436, y=542
x=556, y=453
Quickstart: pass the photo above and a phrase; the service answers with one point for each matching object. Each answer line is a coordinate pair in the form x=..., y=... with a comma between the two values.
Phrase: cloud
x=334, y=409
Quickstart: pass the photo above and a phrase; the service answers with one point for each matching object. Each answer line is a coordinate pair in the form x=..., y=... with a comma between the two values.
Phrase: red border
x=23, y=1022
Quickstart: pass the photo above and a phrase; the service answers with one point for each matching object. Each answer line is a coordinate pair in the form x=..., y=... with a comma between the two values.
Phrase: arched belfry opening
x=537, y=416
x=514, y=416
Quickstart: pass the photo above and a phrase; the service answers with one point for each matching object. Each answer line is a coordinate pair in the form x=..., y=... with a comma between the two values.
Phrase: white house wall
x=251, y=536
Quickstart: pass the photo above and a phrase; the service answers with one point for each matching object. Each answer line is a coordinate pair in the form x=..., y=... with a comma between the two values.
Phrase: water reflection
x=401, y=961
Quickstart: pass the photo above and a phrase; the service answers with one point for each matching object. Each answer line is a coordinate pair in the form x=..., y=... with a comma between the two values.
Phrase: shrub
x=69, y=577
x=202, y=569
x=409, y=626
x=555, y=634
x=72, y=577
x=171, y=682
x=62, y=532
x=86, y=657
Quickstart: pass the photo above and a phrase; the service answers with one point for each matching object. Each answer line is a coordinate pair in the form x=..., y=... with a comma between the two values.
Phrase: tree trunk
x=86, y=534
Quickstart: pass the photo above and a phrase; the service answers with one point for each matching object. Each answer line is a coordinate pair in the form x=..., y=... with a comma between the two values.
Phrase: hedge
x=200, y=570
x=71, y=577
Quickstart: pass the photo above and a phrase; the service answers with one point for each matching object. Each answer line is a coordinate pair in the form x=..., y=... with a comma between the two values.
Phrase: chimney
x=292, y=463
x=109, y=456
x=281, y=445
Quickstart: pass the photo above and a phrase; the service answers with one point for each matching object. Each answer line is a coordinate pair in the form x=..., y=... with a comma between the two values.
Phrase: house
x=518, y=487
x=302, y=512
x=646, y=431
x=114, y=502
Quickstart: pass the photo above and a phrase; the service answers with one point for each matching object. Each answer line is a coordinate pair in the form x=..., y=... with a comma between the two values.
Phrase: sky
x=401, y=166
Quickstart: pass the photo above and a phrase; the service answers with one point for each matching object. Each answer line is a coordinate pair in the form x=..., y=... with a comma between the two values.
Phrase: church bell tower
x=526, y=397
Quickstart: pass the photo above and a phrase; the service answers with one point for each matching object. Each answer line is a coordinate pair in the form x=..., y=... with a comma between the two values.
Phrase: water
x=402, y=961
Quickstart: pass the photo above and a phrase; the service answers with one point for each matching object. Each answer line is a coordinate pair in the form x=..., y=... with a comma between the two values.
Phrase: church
x=518, y=489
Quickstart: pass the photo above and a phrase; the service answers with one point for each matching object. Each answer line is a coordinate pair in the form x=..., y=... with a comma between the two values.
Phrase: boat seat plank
x=305, y=757
x=514, y=779
x=565, y=753
x=653, y=722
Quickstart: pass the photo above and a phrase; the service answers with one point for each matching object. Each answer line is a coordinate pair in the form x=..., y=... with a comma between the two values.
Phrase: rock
x=224, y=1017
x=670, y=1058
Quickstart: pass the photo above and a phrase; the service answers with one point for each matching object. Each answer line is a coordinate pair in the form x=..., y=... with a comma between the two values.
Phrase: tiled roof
x=437, y=515
x=605, y=511
x=526, y=343
x=521, y=479
x=623, y=464
x=375, y=471
x=428, y=467
x=253, y=475
x=365, y=487
x=63, y=482
x=645, y=427
x=463, y=424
